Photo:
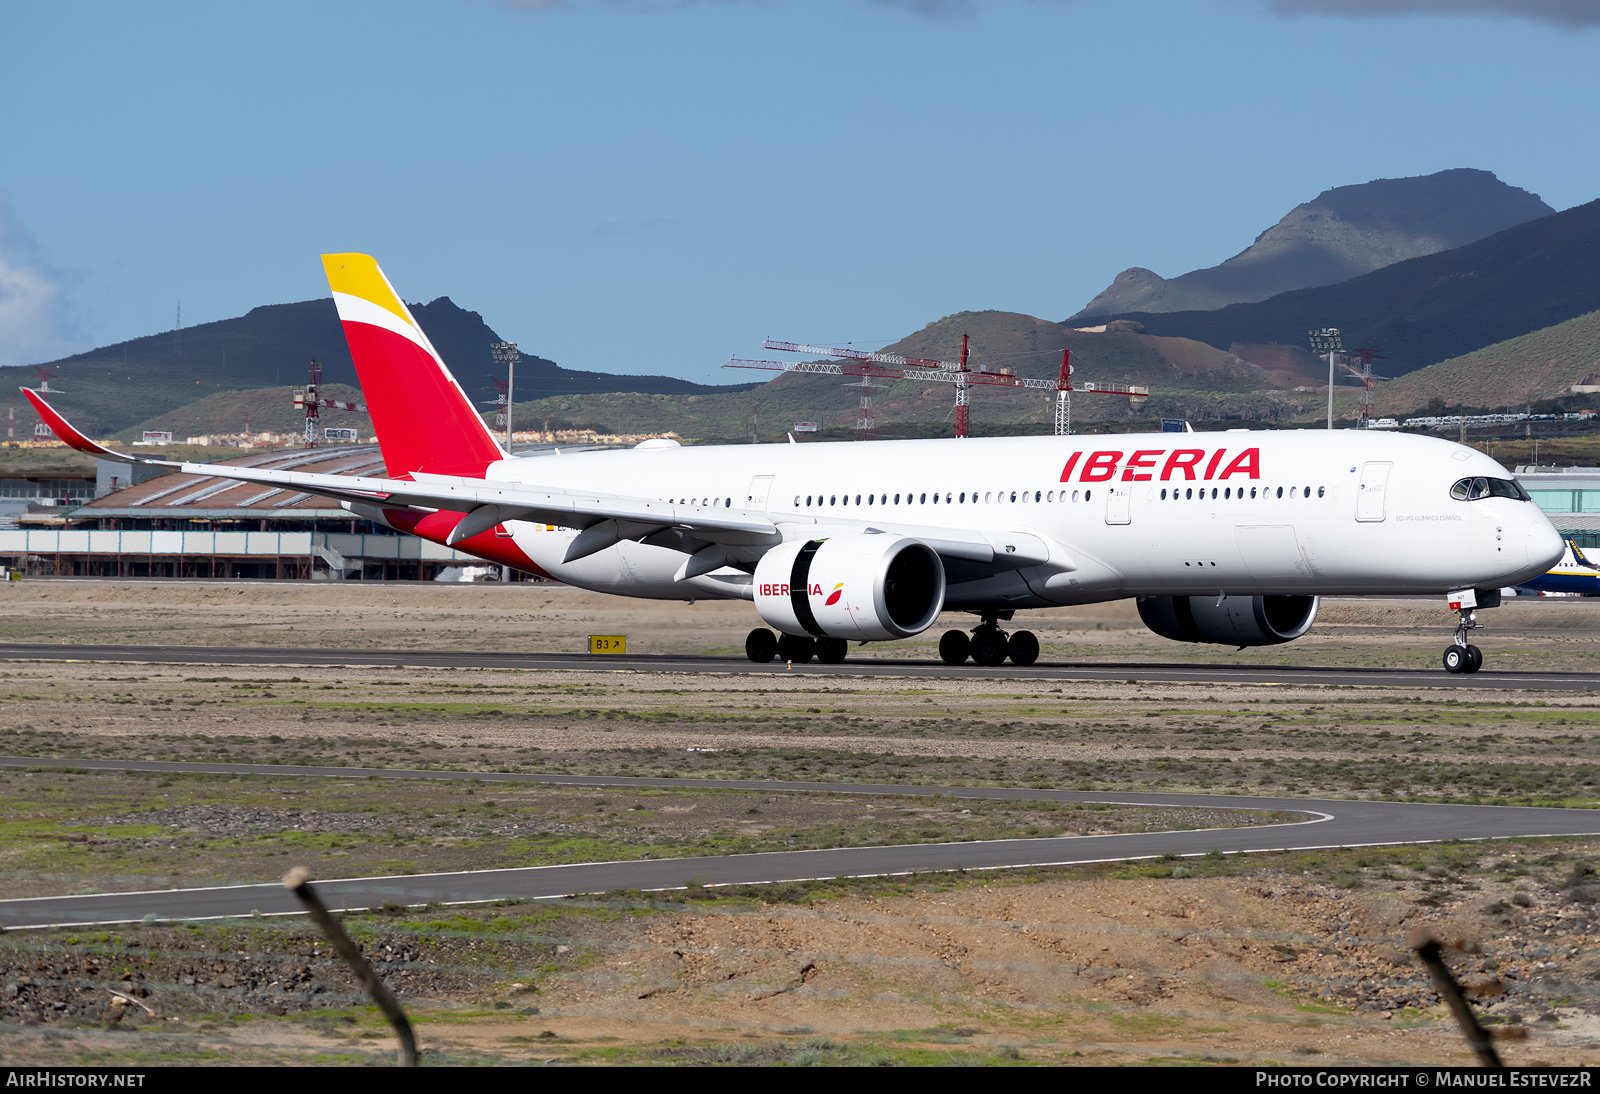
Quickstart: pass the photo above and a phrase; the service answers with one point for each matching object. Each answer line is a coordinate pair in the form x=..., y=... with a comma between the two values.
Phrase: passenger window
x=1013, y=496
x=987, y=497
x=1252, y=493
x=1188, y=493
x=897, y=499
x=963, y=497
x=858, y=499
x=1280, y=491
x=1086, y=494
x=1321, y=490
x=1074, y=495
x=1163, y=494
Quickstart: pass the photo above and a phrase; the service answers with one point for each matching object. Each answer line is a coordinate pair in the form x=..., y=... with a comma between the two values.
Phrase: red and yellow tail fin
x=424, y=421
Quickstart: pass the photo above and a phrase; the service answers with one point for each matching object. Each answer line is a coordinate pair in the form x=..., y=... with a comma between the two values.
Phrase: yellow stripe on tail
x=358, y=275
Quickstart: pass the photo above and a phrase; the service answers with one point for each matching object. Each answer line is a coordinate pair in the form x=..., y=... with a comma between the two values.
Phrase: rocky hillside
x=1540, y=365
x=1426, y=310
x=1340, y=234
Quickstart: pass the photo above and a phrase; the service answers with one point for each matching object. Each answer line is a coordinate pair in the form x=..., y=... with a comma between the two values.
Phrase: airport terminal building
x=194, y=525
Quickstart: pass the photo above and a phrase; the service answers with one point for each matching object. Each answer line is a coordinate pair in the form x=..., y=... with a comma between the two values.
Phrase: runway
x=1152, y=672
x=1327, y=824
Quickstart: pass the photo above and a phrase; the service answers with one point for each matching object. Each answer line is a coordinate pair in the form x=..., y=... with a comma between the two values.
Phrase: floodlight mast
x=1327, y=340
x=505, y=353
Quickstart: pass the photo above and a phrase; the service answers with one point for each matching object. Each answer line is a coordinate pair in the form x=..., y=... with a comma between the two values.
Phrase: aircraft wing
x=602, y=520
x=486, y=503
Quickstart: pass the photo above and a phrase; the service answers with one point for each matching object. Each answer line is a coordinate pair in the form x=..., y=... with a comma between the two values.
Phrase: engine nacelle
x=861, y=587
x=1236, y=621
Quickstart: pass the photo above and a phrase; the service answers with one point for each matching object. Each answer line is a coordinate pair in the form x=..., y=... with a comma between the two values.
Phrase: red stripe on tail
x=423, y=420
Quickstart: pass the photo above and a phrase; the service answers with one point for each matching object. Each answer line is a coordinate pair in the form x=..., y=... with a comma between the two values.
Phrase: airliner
x=1229, y=538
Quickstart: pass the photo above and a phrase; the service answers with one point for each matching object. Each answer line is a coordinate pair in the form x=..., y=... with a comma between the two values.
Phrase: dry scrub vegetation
x=1288, y=958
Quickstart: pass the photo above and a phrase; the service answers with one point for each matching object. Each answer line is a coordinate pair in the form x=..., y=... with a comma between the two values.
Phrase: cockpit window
x=1473, y=489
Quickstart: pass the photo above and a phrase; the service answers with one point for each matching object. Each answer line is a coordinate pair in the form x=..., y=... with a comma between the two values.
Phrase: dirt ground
x=1542, y=632
x=1293, y=960
x=1284, y=958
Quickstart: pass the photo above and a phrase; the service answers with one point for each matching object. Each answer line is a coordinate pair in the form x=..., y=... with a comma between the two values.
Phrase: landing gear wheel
x=1023, y=648
x=792, y=647
x=832, y=651
x=1455, y=659
x=988, y=647
x=761, y=645
x=1474, y=660
x=955, y=647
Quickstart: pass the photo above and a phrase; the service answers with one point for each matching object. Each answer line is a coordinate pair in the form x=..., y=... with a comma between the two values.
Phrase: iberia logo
x=838, y=591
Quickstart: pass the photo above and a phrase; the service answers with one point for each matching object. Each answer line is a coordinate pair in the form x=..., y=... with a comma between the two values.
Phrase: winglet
x=64, y=430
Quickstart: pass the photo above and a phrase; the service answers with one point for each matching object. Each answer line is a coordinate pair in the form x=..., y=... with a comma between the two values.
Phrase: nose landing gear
x=1462, y=657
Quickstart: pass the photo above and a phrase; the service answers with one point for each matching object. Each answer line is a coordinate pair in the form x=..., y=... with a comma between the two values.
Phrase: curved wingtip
x=64, y=430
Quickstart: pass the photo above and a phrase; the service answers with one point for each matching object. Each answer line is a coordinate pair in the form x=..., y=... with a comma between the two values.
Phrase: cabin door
x=1369, y=494
x=1119, y=504
x=759, y=488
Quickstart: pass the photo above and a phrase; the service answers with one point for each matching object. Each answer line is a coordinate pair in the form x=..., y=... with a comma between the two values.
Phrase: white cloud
x=1572, y=14
x=34, y=323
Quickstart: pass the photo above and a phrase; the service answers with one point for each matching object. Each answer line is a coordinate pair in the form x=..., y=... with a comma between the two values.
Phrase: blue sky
x=638, y=186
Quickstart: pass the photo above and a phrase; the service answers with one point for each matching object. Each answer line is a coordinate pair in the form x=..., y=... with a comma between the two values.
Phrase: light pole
x=505, y=353
x=1327, y=341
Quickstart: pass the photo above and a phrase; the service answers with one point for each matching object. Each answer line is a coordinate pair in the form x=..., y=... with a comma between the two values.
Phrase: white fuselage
x=1241, y=512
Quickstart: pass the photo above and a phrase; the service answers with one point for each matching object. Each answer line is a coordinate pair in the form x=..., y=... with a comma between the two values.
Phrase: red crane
x=46, y=372
x=308, y=399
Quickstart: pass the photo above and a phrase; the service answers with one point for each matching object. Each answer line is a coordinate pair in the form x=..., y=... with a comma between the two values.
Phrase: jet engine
x=1230, y=620
x=860, y=587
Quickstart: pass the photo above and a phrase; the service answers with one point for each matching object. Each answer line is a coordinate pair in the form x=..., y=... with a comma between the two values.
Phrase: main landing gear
x=989, y=645
x=761, y=646
x=1461, y=657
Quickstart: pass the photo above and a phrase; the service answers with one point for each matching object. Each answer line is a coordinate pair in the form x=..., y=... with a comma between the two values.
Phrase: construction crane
x=307, y=399
x=887, y=366
x=1364, y=373
x=46, y=373
x=896, y=362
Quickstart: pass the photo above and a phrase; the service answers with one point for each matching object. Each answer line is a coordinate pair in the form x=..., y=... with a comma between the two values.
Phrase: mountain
x=1428, y=309
x=1339, y=234
x=118, y=387
x=1518, y=371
